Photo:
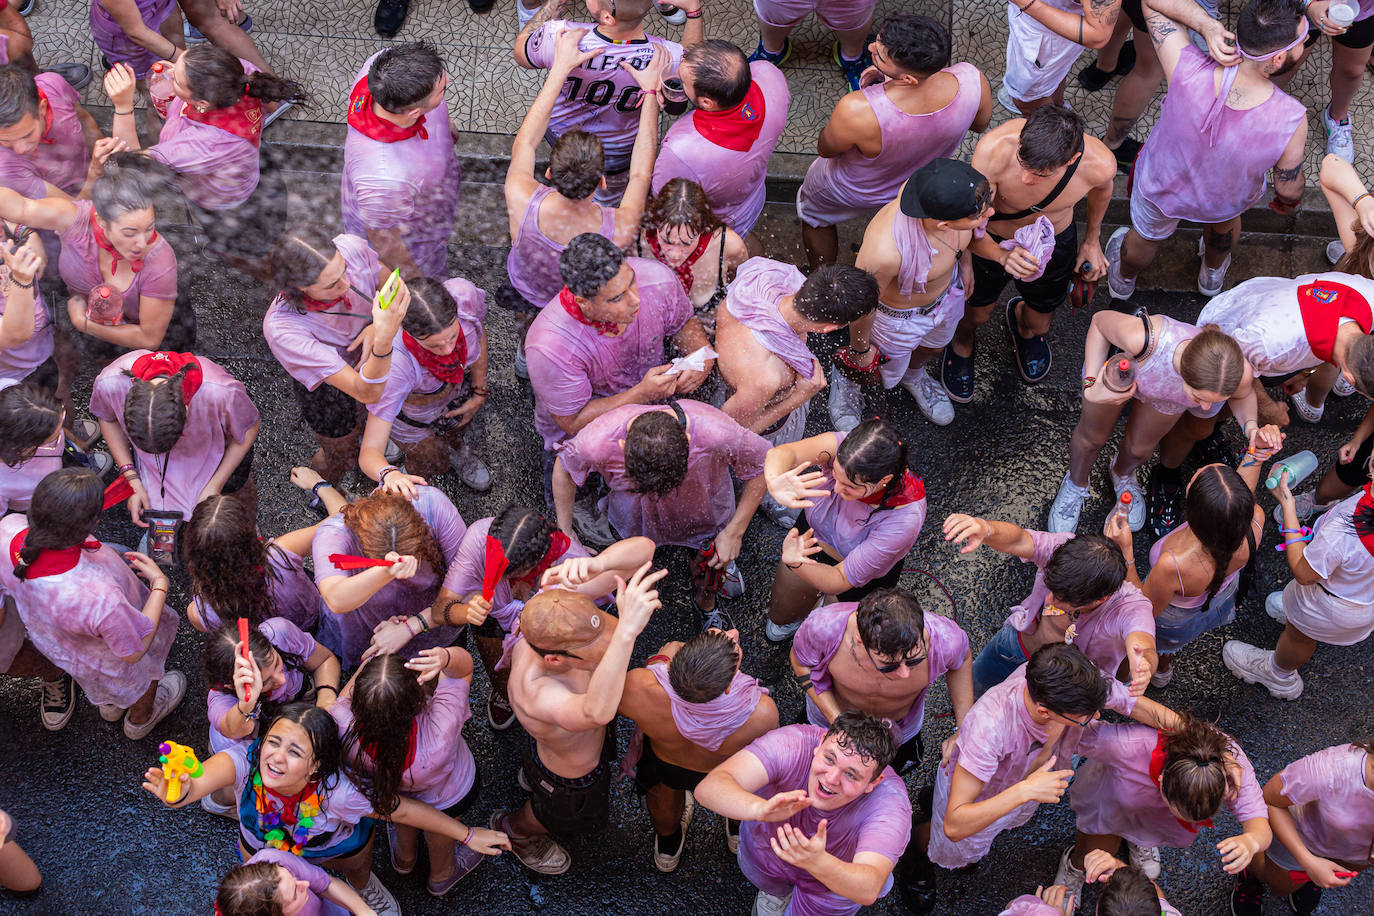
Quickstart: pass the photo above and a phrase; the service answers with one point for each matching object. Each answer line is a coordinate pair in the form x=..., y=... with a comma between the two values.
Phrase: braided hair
x=65, y=510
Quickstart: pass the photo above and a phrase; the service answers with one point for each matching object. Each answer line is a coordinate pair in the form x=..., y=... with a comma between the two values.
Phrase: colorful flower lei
x=298, y=819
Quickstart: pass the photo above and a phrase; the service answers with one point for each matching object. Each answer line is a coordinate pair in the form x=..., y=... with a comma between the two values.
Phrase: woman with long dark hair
x=682, y=231
x=35, y=436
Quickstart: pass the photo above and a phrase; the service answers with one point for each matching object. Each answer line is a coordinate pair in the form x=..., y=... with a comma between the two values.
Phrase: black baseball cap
x=944, y=189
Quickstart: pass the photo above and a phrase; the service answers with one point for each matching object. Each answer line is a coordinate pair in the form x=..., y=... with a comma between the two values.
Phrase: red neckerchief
x=117, y=492
x=735, y=128
x=447, y=369
x=315, y=305
x=242, y=119
x=1367, y=502
x=1157, y=757
x=150, y=365
x=495, y=567
x=352, y=561
x=104, y=244
x=913, y=489
x=569, y=303
x=363, y=119
x=371, y=749
x=496, y=559
x=683, y=270
x=47, y=120
x=1322, y=305
x=51, y=562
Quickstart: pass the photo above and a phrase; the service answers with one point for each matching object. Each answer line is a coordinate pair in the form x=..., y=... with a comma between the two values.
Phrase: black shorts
x=571, y=807
x=331, y=413
x=1043, y=294
x=461, y=806
x=888, y=579
x=653, y=771
x=508, y=298
x=241, y=473
x=1360, y=35
x=909, y=755
x=1356, y=473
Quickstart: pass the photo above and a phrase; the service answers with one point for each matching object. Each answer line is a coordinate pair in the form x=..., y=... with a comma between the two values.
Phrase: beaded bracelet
x=1089, y=381
x=381, y=477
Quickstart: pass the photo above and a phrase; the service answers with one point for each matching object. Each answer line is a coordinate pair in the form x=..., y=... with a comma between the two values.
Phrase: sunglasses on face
x=911, y=662
x=1084, y=724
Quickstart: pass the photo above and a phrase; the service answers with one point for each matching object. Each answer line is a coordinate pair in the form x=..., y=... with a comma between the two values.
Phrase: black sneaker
x=1216, y=450
x=1247, y=896
x=915, y=879
x=481, y=6
x=1093, y=79
x=1165, y=510
x=390, y=16
x=1305, y=899
x=956, y=374
x=1033, y=356
x=1125, y=154
x=58, y=702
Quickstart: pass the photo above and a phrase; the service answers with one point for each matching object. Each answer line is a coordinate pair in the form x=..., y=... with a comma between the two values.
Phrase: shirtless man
x=567, y=675
x=1042, y=165
x=696, y=709
x=917, y=247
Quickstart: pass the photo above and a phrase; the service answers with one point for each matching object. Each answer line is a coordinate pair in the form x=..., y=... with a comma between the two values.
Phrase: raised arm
x=1004, y=537
x=48, y=213
x=551, y=10
x=729, y=791
x=631, y=209
x=965, y=816
x=1092, y=29
x=596, y=576
x=25, y=264
x=1168, y=22
x=1348, y=197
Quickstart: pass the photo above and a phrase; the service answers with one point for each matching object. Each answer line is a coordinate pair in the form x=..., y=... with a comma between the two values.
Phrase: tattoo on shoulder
x=1287, y=174
x=1099, y=6
x=551, y=10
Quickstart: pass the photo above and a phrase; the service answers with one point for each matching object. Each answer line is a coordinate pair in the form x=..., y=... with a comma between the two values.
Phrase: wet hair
x=64, y=512
x=1128, y=892
x=837, y=294
x=873, y=450
x=704, y=667
x=1060, y=678
x=131, y=181
x=588, y=263
x=656, y=451
x=524, y=536
x=1085, y=569
x=917, y=44
x=18, y=95
x=250, y=890
x=720, y=72
x=1360, y=362
x=577, y=164
x=891, y=622
x=403, y=76
x=871, y=738
x=28, y=415
x=387, y=699
x=155, y=415
x=215, y=75
x=1051, y=136
x=681, y=203
x=1213, y=361
x=1196, y=778
x=220, y=651
x=229, y=566
x=1221, y=514
x=383, y=522
x=297, y=259
x=1265, y=26
x=432, y=308
x=323, y=734
x=1359, y=257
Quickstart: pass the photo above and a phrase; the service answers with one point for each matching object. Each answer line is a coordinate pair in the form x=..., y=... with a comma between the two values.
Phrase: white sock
x=1279, y=672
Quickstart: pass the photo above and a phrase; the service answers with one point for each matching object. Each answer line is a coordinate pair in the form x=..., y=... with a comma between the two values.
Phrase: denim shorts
x=997, y=660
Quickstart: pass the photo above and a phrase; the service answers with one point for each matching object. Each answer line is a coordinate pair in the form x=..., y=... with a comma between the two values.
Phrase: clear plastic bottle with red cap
x=1121, y=510
x=160, y=87
x=105, y=306
x=1119, y=373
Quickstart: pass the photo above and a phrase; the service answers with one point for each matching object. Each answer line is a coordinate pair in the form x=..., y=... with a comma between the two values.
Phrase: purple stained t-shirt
x=18, y=483
x=571, y=363
x=301, y=870
x=216, y=169
x=116, y=45
x=220, y=412
x=752, y=300
x=18, y=361
x=703, y=504
x=290, y=589
x=79, y=265
x=1031, y=905
x=1333, y=807
x=61, y=158
x=286, y=638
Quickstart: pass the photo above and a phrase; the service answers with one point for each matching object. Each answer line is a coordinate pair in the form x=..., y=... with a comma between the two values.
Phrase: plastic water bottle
x=1298, y=467
x=1341, y=13
x=105, y=306
x=160, y=88
x=1119, y=373
x=1121, y=510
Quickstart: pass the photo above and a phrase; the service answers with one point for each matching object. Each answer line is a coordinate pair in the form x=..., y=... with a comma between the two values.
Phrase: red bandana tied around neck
x=104, y=244
x=363, y=119
x=150, y=365
x=371, y=748
x=1157, y=757
x=496, y=560
x=913, y=489
x=683, y=270
x=1367, y=503
x=569, y=303
x=447, y=369
x=735, y=128
x=47, y=119
x=315, y=305
x=495, y=567
x=50, y=562
x=117, y=492
x=350, y=561
x=242, y=119
x=1322, y=305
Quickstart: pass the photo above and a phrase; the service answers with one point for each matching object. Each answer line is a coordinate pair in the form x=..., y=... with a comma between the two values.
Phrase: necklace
x=287, y=829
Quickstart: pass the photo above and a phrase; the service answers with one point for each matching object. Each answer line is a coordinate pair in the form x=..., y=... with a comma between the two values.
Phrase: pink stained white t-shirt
x=89, y=619
x=61, y=158
x=878, y=822
x=870, y=540
x=443, y=770
x=311, y=346
x=409, y=379
x=18, y=361
x=571, y=363
x=286, y=638
x=117, y=46
x=997, y=743
x=1333, y=807
x=703, y=504
x=532, y=264
x=734, y=180
x=1101, y=633
x=752, y=300
x=18, y=483
x=1031, y=905
x=467, y=567
x=301, y=870
x=822, y=634
x=599, y=97
x=79, y=265
x=290, y=589
x=216, y=169
x=1113, y=793
x=220, y=413
x=410, y=185
x=1338, y=555
x=404, y=597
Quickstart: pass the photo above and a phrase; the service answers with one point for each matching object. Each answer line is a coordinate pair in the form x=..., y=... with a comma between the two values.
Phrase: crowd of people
x=672, y=376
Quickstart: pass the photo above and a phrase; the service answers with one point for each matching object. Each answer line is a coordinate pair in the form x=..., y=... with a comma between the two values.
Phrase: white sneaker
x=1273, y=606
x=1162, y=677
x=1343, y=388
x=1210, y=280
x=522, y=369
x=1305, y=504
x=734, y=582
x=930, y=396
x=731, y=837
x=768, y=905
x=1070, y=877
x=779, y=514
x=1304, y=407
x=1145, y=858
x=667, y=861
x=170, y=690
x=1006, y=101
x=1335, y=250
x=379, y=898
x=111, y=712
x=57, y=702
x=779, y=632
x=471, y=470
x=1120, y=287
x=1067, y=505
x=846, y=402
x=672, y=14
x=1135, y=517
x=1339, y=139
x=1256, y=666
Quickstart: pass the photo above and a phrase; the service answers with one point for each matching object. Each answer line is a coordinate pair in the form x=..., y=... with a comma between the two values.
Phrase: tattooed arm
x=1166, y=33
x=1092, y=29
x=550, y=11
x=1288, y=178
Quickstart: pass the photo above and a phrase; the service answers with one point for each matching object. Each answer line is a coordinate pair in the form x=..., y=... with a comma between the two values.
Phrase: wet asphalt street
x=106, y=847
